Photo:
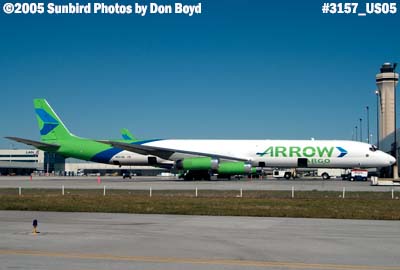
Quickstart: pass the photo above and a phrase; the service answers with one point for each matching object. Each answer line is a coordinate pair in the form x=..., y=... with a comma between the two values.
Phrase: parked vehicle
x=284, y=173
x=327, y=173
x=359, y=175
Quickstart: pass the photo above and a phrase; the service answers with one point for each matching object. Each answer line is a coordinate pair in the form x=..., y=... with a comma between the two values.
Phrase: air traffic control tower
x=387, y=81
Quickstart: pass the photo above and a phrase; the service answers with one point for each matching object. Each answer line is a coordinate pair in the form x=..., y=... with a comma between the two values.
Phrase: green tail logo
x=50, y=125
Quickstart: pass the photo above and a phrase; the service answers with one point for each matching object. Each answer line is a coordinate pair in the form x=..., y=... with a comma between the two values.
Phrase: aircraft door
x=302, y=162
x=152, y=160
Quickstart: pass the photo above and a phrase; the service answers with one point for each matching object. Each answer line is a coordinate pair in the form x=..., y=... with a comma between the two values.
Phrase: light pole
x=377, y=117
x=368, y=124
x=356, y=133
x=360, y=129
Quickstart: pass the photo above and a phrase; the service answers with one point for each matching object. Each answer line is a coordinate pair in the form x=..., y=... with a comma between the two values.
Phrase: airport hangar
x=27, y=161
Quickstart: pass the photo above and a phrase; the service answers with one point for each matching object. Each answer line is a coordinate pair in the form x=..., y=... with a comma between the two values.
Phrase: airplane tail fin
x=127, y=135
x=50, y=125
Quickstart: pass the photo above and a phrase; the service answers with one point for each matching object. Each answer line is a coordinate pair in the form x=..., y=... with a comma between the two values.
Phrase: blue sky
x=240, y=70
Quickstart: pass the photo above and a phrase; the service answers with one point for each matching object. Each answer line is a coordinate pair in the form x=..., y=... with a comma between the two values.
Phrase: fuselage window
x=373, y=148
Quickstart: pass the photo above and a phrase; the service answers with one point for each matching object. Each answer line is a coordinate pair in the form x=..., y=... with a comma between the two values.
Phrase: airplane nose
x=392, y=160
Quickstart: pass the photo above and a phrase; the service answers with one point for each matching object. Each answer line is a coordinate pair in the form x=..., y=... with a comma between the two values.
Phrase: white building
x=21, y=161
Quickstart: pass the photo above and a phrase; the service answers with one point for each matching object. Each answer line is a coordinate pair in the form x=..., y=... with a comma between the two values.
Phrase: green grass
x=312, y=204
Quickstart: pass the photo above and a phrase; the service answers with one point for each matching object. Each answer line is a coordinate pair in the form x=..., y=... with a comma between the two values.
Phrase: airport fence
x=393, y=193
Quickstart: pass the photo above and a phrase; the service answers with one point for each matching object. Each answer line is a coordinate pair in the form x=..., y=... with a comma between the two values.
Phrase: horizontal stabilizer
x=127, y=135
x=37, y=144
x=164, y=153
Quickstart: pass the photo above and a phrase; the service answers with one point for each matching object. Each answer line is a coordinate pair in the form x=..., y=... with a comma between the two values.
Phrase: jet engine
x=212, y=164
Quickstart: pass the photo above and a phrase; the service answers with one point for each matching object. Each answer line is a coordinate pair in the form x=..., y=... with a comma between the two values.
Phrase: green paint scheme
x=232, y=168
x=325, y=151
x=201, y=163
x=60, y=132
x=309, y=151
x=127, y=135
x=319, y=161
x=224, y=168
x=81, y=148
x=296, y=151
x=70, y=145
x=280, y=151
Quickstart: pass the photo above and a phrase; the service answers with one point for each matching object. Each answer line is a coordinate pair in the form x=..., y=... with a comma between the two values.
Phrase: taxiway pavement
x=130, y=241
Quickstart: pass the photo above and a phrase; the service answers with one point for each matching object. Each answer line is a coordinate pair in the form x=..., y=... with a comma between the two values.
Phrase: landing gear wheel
x=325, y=176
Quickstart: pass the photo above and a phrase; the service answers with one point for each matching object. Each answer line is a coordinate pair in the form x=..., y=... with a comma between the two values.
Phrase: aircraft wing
x=37, y=144
x=164, y=153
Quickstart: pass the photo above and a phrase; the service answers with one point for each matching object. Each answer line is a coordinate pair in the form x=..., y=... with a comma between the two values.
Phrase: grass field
x=313, y=204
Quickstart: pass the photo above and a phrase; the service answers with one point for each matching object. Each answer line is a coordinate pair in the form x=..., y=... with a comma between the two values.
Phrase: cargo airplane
x=204, y=157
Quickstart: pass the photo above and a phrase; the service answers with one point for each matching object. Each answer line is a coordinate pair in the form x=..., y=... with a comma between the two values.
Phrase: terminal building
x=21, y=161
x=33, y=161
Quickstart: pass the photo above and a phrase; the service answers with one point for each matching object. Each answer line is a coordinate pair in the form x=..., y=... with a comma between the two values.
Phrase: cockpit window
x=373, y=148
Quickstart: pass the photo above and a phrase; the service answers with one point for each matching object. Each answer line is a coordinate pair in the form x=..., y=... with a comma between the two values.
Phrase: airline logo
x=307, y=152
x=342, y=151
x=49, y=122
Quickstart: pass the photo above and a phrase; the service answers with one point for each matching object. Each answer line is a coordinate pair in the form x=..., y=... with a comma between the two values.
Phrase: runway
x=165, y=183
x=130, y=241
